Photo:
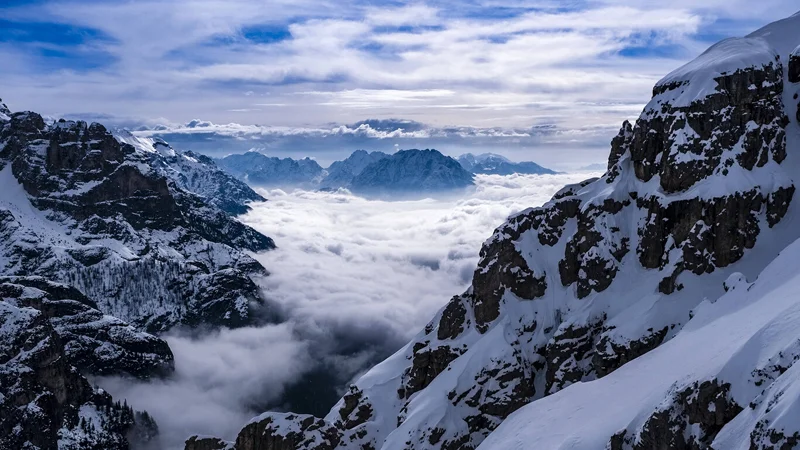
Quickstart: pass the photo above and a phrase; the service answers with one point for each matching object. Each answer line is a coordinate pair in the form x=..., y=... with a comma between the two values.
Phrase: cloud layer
x=354, y=280
x=308, y=63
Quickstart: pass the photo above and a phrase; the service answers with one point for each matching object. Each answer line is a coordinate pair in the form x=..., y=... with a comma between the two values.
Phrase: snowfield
x=746, y=330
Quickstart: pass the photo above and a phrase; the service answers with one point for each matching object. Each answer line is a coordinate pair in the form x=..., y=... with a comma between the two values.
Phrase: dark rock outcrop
x=44, y=401
x=689, y=419
x=288, y=432
x=95, y=343
x=103, y=216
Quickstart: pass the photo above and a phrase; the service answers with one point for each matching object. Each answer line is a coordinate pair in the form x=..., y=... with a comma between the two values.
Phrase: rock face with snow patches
x=493, y=164
x=108, y=218
x=45, y=402
x=619, y=315
x=98, y=344
x=412, y=171
x=195, y=173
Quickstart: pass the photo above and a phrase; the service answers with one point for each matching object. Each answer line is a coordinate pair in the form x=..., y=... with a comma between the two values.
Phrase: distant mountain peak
x=494, y=164
x=412, y=170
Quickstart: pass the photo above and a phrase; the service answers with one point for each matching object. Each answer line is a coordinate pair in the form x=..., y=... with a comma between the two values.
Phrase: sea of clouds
x=352, y=279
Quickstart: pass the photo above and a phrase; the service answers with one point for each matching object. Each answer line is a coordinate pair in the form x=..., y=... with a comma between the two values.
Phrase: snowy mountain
x=341, y=173
x=82, y=208
x=195, y=173
x=651, y=308
x=494, y=164
x=261, y=170
x=411, y=171
x=369, y=173
x=101, y=239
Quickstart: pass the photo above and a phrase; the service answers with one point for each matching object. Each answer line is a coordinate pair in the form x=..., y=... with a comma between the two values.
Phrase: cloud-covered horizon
x=335, y=142
x=354, y=280
x=571, y=66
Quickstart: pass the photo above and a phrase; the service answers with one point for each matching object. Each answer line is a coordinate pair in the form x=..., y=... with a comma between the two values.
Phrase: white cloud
x=415, y=15
x=345, y=263
x=221, y=380
x=188, y=58
x=354, y=279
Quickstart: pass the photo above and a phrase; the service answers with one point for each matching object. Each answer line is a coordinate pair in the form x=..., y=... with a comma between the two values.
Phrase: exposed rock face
x=607, y=271
x=207, y=443
x=44, y=401
x=195, y=173
x=85, y=209
x=288, y=432
x=689, y=419
x=95, y=343
x=794, y=66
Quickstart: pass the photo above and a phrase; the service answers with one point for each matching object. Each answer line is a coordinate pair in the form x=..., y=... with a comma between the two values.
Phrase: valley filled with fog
x=352, y=280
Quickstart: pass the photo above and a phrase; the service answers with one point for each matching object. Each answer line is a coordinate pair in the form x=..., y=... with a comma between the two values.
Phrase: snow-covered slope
x=727, y=379
x=79, y=207
x=494, y=164
x=698, y=194
x=194, y=173
x=411, y=171
x=261, y=170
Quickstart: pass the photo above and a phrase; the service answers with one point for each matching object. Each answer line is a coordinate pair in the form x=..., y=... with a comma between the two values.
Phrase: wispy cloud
x=310, y=62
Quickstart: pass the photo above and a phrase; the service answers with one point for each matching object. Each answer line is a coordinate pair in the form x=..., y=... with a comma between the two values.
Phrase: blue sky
x=579, y=66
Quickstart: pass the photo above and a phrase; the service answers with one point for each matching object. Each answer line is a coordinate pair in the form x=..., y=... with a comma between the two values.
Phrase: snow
x=768, y=45
x=695, y=80
x=743, y=329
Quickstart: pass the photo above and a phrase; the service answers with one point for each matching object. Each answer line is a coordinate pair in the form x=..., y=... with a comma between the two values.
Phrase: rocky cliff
x=697, y=198
x=82, y=208
x=45, y=402
x=195, y=173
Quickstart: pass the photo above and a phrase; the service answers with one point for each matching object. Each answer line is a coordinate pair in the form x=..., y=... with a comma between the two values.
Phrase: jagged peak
x=5, y=113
